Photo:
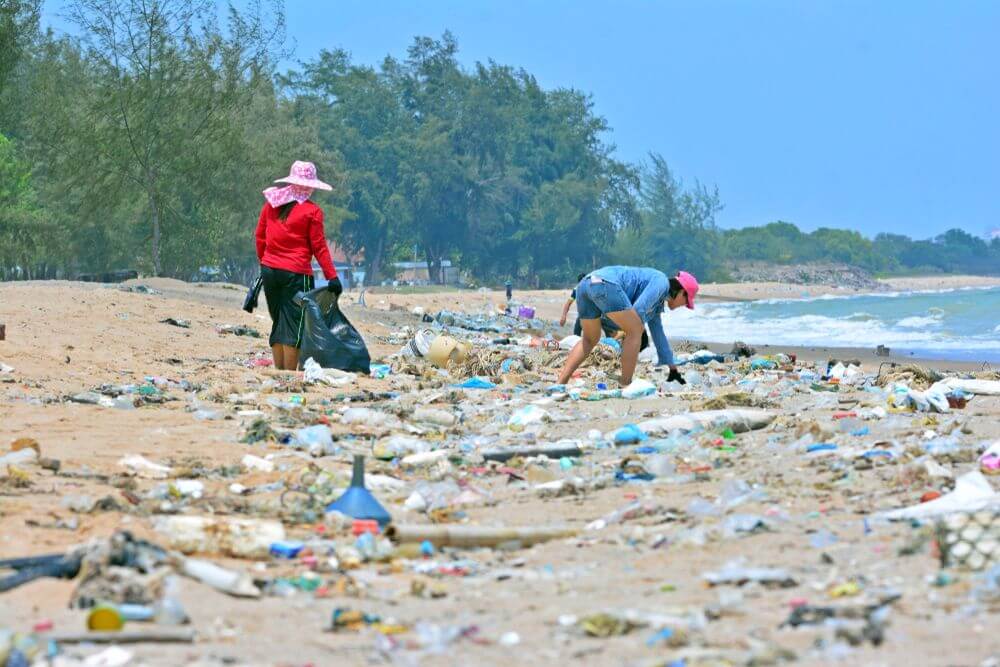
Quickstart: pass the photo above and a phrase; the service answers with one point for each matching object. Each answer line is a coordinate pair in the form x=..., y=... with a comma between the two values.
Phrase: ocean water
x=947, y=324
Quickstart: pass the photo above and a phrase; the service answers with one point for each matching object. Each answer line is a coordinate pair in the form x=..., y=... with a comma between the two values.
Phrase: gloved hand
x=675, y=376
x=335, y=287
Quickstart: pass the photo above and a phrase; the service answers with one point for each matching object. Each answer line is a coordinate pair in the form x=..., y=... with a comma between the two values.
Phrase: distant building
x=350, y=268
x=994, y=233
x=417, y=273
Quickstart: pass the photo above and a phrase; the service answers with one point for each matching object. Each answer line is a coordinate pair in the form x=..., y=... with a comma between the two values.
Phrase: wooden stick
x=162, y=635
x=475, y=536
x=551, y=451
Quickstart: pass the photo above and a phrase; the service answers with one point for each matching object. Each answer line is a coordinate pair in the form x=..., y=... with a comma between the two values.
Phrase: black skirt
x=280, y=288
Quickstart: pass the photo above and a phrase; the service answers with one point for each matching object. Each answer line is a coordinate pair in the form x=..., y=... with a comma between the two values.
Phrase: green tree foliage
x=677, y=225
x=160, y=83
x=482, y=167
x=18, y=28
x=143, y=141
x=25, y=235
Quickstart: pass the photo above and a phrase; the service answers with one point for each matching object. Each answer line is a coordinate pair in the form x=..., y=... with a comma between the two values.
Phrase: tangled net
x=736, y=399
x=488, y=363
x=913, y=375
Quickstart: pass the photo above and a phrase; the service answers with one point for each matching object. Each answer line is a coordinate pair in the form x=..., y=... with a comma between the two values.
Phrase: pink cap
x=690, y=285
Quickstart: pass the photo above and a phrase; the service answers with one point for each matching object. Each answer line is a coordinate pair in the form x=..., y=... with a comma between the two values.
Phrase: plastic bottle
x=317, y=440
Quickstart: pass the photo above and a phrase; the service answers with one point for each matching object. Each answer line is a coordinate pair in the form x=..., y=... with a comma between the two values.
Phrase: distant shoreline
x=869, y=361
x=754, y=291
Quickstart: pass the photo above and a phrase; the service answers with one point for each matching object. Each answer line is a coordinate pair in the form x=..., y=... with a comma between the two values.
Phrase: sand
x=65, y=338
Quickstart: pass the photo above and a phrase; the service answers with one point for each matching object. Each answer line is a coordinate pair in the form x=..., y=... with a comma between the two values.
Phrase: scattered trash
x=316, y=439
x=239, y=538
x=313, y=372
x=639, y=389
x=530, y=414
x=736, y=574
x=142, y=467
x=476, y=536
x=972, y=493
x=477, y=455
x=969, y=540
x=238, y=330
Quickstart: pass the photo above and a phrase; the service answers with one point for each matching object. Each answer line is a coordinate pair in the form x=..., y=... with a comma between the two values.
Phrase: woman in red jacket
x=289, y=234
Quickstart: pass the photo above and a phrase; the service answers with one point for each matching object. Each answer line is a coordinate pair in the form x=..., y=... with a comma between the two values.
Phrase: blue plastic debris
x=612, y=343
x=622, y=476
x=286, y=548
x=876, y=453
x=629, y=434
x=475, y=383
x=821, y=447
x=663, y=635
x=357, y=502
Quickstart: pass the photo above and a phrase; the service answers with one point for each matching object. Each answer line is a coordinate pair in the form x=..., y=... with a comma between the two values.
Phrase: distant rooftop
x=445, y=264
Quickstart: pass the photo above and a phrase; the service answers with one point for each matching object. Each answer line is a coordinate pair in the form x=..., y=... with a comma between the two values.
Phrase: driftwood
x=160, y=635
x=475, y=536
x=555, y=451
x=740, y=420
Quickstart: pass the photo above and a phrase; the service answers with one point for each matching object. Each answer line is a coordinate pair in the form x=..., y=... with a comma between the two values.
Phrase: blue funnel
x=357, y=501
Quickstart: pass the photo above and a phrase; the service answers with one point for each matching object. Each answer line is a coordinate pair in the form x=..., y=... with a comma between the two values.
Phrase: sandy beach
x=512, y=604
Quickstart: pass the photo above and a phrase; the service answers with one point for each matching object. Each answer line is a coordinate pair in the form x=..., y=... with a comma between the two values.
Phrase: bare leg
x=278, y=350
x=591, y=335
x=629, y=322
x=291, y=358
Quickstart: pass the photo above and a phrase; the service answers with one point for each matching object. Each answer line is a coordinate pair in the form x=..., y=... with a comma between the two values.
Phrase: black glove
x=675, y=376
x=335, y=287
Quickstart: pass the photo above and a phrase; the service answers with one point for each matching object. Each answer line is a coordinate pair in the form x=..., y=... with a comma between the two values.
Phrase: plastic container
x=447, y=350
x=420, y=344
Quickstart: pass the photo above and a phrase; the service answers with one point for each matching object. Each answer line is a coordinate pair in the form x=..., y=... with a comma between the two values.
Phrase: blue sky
x=876, y=116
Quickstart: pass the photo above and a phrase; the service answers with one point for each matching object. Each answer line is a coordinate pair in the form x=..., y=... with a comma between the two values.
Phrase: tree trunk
x=433, y=267
x=374, y=265
x=155, y=211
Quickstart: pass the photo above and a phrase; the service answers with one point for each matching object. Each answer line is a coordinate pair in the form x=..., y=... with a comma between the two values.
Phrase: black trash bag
x=328, y=337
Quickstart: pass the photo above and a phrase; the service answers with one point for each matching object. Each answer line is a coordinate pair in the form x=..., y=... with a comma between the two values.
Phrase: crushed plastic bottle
x=529, y=414
x=316, y=439
x=638, y=389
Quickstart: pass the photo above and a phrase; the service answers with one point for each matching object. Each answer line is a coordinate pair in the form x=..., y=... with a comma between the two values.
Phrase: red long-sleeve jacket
x=290, y=244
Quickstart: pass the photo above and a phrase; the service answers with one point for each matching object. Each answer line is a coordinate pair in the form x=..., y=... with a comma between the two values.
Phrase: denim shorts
x=596, y=299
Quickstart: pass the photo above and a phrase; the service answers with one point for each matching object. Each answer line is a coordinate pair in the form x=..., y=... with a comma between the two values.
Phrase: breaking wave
x=933, y=323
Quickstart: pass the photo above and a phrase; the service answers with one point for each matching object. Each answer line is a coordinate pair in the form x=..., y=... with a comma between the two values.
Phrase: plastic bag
x=327, y=335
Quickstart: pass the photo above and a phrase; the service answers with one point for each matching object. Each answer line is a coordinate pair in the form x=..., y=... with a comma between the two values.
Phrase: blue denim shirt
x=647, y=290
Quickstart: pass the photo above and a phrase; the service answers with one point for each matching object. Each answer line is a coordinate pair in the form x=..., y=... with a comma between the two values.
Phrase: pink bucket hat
x=690, y=285
x=304, y=174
